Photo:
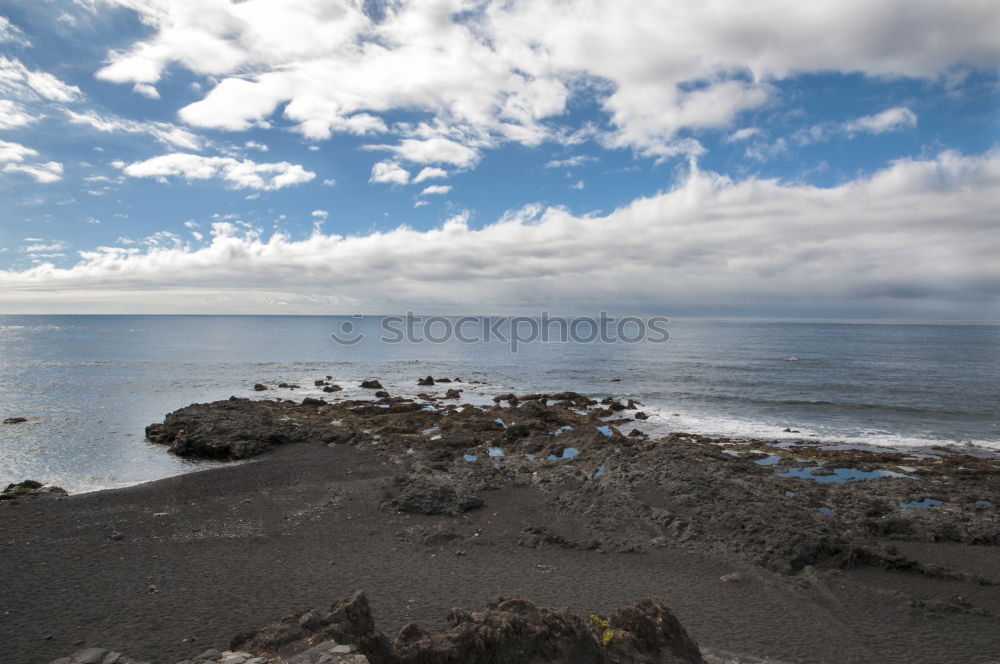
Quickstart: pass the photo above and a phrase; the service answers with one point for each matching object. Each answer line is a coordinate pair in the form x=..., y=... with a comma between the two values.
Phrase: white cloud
x=389, y=172
x=45, y=172
x=164, y=132
x=915, y=238
x=240, y=174
x=892, y=119
x=570, y=162
x=12, y=34
x=579, y=185
x=506, y=71
x=44, y=249
x=13, y=156
x=436, y=189
x=329, y=182
x=254, y=145
x=320, y=214
x=428, y=172
x=14, y=115
x=433, y=150
x=743, y=134
x=18, y=81
x=11, y=152
x=146, y=90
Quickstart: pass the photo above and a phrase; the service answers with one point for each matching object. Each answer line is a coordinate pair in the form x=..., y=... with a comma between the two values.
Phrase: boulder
x=260, y=387
x=31, y=488
x=15, y=420
x=639, y=415
x=371, y=385
x=425, y=381
x=452, y=394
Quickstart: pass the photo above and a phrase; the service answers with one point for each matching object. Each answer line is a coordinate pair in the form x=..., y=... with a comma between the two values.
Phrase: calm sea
x=90, y=384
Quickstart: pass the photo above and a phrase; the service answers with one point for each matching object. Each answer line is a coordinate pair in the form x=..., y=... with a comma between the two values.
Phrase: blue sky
x=835, y=159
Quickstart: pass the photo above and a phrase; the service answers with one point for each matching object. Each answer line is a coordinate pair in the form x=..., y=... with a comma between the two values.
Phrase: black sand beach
x=163, y=570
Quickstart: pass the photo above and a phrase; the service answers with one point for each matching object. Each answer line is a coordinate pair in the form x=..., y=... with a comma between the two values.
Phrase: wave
x=829, y=405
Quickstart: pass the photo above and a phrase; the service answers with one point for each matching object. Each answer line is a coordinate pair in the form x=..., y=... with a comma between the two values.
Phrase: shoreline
x=324, y=512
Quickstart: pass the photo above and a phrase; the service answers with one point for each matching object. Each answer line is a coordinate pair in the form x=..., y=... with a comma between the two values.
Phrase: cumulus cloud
x=892, y=119
x=146, y=90
x=14, y=115
x=917, y=237
x=389, y=172
x=429, y=172
x=18, y=81
x=240, y=174
x=320, y=214
x=436, y=189
x=743, y=134
x=489, y=73
x=14, y=156
x=433, y=150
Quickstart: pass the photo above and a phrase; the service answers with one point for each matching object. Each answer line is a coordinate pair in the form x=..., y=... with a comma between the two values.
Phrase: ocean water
x=90, y=384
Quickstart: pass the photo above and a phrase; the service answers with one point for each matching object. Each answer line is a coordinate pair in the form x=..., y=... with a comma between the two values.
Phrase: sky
x=823, y=159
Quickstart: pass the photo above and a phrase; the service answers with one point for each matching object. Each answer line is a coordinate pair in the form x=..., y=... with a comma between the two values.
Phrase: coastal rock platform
x=776, y=551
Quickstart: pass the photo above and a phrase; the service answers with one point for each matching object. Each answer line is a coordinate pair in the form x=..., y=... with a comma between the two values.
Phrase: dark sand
x=206, y=555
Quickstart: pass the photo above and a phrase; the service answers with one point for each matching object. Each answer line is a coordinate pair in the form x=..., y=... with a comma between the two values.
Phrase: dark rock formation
x=371, y=385
x=29, y=488
x=425, y=381
x=233, y=429
x=510, y=630
x=15, y=420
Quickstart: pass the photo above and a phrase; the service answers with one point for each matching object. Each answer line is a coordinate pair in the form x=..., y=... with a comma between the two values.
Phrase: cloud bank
x=920, y=235
x=481, y=74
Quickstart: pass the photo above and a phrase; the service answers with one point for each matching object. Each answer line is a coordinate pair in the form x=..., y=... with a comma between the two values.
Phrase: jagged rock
x=425, y=381
x=347, y=621
x=15, y=420
x=511, y=630
x=234, y=429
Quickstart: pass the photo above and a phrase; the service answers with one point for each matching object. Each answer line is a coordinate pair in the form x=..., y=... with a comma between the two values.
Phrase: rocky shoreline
x=781, y=505
x=890, y=555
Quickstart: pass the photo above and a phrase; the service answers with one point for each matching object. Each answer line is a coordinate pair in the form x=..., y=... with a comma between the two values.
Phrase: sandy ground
x=167, y=569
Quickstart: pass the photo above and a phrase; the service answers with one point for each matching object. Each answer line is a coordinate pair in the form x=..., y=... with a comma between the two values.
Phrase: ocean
x=90, y=384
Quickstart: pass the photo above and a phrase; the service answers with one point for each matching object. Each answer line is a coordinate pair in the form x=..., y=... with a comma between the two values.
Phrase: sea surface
x=90, y=384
